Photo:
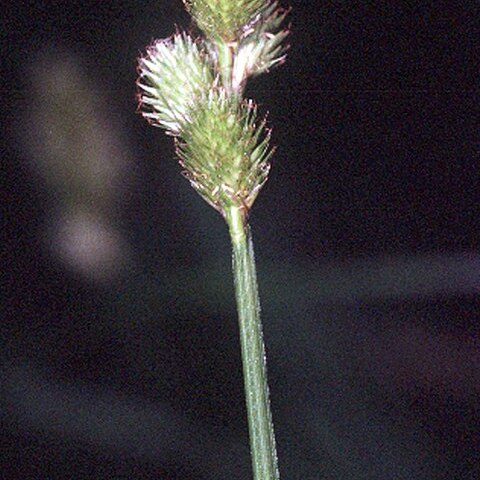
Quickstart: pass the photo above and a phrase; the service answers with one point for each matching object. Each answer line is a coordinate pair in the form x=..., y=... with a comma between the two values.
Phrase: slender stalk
x=262, y=438
x=225, y=62
x=194, y=89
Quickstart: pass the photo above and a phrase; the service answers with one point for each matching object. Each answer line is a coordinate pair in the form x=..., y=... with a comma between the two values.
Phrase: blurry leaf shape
x=343, y=282
x=74, y=144
x=125, y=425
x=70, y=135
x=88, y=244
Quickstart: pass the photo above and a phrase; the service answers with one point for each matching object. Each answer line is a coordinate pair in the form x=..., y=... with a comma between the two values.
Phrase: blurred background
x=119, y=352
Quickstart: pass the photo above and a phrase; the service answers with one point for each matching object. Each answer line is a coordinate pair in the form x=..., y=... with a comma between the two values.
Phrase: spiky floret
x=224, y=152
x=173, y=74
x=224, y=18
x=193, y=89
x=261, y=45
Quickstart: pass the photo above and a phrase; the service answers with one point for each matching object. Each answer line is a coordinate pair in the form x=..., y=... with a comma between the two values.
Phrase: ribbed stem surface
x=262, y=439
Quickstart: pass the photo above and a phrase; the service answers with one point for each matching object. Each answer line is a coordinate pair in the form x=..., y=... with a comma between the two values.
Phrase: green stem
x=225, y=62
x=260, y=425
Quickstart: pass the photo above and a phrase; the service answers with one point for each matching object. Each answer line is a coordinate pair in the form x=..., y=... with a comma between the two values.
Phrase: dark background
x=119, y=351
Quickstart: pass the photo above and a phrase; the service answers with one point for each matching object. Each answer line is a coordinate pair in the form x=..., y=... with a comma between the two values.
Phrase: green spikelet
x=224, y=18
x=193, y=89
x=261, y=46
x=224, y=153
x=173, y=74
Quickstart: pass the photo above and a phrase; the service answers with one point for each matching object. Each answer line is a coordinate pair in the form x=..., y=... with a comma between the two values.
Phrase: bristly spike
x=193, y=89
x=172, y=75
x=261, y=45
x=225, y=19
x=220, y=147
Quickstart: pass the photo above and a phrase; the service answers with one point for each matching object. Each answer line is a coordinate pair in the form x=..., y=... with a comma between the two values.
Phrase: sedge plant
x=193, y=87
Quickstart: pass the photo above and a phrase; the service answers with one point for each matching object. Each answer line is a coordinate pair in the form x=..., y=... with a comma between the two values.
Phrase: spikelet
x=224, y=152
x=173, y=74
x=224, y=18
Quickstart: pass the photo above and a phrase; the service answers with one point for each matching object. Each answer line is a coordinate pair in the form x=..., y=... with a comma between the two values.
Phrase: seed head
x=225, y=154
x=261, y=46
x=173, y=74
x=224, y=18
